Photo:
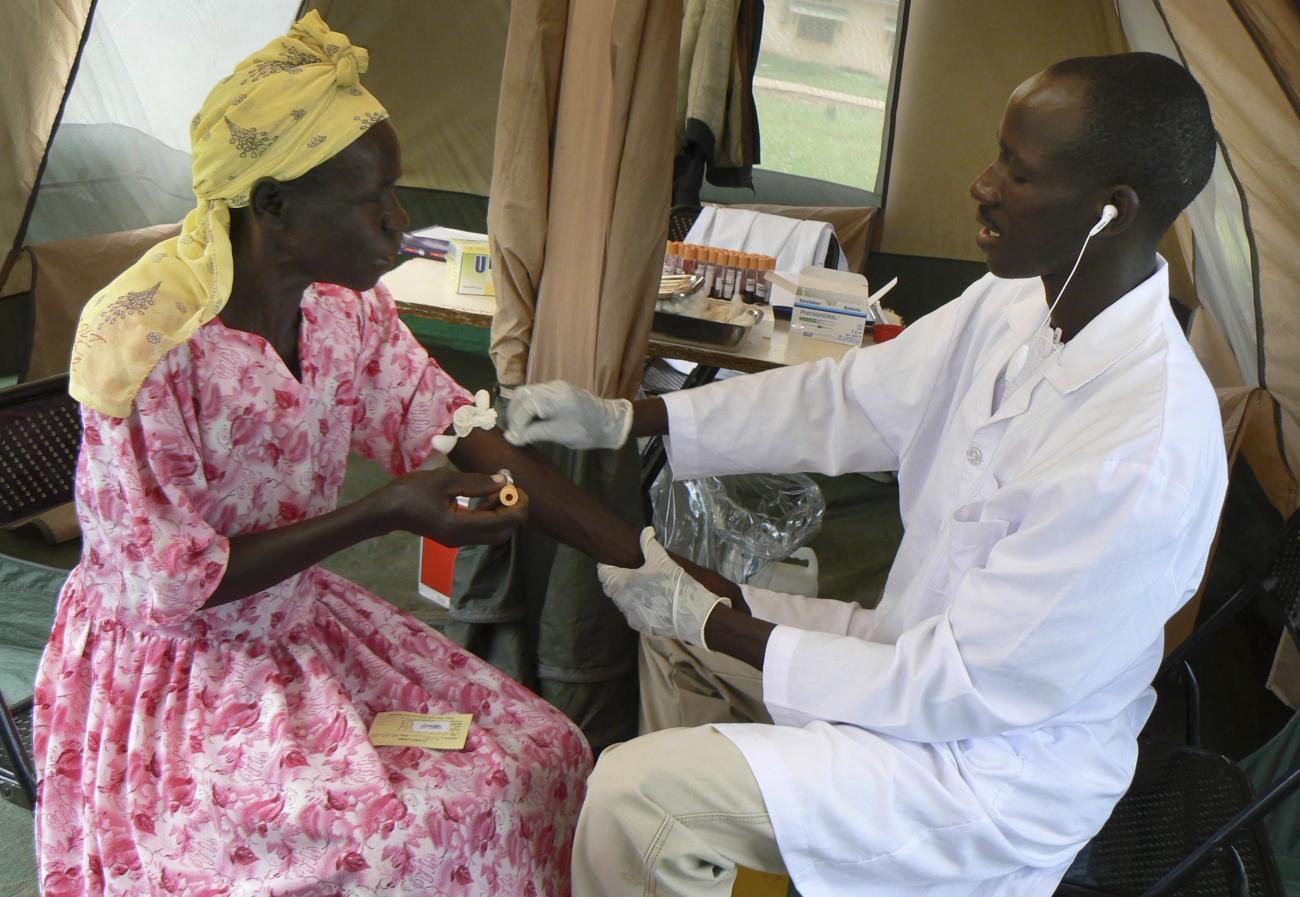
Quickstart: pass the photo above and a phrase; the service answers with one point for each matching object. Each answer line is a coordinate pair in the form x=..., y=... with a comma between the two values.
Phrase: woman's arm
x=421, y=502
x=560, y=508
x=568, y=514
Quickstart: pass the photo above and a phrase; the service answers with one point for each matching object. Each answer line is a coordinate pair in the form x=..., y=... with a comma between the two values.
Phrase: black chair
x=40, y=436
x=1190, y=822
x=17, y=775
x=680, y=220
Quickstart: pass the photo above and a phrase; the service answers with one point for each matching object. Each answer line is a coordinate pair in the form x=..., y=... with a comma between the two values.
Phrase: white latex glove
x=563, y=413
x=659, y=597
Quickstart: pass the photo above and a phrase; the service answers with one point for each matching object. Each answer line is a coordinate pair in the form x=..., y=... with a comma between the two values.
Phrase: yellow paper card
x=442, y=731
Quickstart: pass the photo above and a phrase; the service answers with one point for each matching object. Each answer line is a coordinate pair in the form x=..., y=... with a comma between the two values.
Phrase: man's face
x=346, y=223
x=1034, y=210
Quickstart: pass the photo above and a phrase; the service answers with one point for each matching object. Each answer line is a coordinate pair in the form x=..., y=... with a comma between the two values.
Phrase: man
x=1061, y=470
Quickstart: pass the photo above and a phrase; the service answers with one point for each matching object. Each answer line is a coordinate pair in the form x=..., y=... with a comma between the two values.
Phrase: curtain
x=577, y=221
x=581, y=183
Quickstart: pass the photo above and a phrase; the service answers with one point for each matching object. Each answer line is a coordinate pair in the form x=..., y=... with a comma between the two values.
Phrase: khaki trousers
x=674, y=812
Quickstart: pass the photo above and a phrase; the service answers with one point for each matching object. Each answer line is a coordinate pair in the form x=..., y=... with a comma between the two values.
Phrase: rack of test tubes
x=728, y=273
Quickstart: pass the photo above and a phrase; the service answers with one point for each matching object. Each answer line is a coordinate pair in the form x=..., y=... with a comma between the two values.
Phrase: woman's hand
x=424, y=502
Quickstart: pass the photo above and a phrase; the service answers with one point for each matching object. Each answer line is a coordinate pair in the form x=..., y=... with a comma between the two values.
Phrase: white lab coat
x=973, y=731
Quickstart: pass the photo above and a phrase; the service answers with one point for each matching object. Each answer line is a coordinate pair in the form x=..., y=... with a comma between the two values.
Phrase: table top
x=419, y=287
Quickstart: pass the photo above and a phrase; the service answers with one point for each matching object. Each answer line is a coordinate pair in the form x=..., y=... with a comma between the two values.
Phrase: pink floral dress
x=225, y=751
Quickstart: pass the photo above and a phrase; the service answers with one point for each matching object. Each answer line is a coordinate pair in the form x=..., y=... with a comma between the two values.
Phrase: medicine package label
x=442, y=731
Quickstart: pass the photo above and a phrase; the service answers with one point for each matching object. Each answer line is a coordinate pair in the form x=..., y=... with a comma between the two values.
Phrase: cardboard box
x=827, y=305
x=830, y=324
x=469, y=267
x=437, y=564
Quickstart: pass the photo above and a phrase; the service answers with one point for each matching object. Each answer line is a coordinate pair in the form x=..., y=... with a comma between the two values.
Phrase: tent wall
x=425, y=207
x=1252, y=93
x=120, y=158
x=437, y=68
x=40, y=40
x=961, y=61
x=1241, y=232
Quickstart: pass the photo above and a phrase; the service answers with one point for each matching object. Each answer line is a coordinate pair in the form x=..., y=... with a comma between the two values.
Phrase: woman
x=203, y=705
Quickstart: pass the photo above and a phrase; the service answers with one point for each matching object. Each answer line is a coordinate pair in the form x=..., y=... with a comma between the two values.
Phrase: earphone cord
x=1068, y=278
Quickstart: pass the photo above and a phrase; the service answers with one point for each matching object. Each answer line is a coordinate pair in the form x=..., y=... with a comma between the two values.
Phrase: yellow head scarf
x=285, y=110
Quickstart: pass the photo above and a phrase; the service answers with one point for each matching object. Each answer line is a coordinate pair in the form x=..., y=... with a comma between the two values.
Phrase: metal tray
x=702, y=331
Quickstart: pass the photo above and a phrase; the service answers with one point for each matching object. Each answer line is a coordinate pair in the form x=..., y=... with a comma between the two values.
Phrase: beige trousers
x=674, y=812
x=686, y=686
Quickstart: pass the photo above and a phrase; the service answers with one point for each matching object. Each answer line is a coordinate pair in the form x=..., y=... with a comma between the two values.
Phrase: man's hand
x=659, y=598
x=424, y=502
x=562, y=413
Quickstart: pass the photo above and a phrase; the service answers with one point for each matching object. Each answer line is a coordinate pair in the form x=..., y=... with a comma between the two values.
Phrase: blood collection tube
x=763, y=287
x=718, y=257
x=729, y=281
x=708, y=266
x=508, y=494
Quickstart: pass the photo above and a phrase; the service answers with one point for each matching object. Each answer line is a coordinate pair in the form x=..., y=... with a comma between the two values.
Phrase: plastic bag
x=736, y=524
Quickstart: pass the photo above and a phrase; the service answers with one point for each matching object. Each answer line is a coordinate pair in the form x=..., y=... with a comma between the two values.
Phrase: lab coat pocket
x=991, y=766
x=971, y=538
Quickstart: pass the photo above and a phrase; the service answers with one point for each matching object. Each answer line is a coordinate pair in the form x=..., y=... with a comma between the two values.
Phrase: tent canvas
x=116, y=160
x=440, y=76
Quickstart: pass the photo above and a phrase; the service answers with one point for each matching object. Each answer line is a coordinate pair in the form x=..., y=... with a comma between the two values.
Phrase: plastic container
x=881, y=332
x=796, y=575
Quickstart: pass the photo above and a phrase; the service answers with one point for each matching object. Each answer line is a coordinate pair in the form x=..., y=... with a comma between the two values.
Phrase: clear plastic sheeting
x=737, y=525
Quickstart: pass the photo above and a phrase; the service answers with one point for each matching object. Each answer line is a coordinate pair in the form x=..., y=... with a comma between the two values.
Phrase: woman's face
x=343, y=223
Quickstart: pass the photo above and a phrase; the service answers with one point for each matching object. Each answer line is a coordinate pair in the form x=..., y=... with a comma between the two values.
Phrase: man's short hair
x=1147, y=124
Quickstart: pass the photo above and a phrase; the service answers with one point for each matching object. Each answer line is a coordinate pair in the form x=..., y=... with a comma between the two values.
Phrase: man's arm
x=815, y=410
x=649, y=417
x=737, y=634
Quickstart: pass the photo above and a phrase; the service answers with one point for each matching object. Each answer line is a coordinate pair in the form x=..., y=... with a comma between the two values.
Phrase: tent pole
x=21, y=235
x=887, y=151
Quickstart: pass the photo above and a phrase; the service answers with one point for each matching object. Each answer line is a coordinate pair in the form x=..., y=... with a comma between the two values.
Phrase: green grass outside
x=815, y=74
x=817, y=139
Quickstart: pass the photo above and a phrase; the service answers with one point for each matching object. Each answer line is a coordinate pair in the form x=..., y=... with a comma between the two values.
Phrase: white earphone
x=1108, y=214
x=1017, y=363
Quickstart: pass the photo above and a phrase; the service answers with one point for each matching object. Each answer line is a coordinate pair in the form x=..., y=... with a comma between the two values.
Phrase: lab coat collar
x=1023, y=316
x=1112, y=334
x=1105, y=340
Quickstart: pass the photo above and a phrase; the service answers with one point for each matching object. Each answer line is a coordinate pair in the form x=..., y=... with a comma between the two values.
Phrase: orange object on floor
x=750, y=883
x=437, y=563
